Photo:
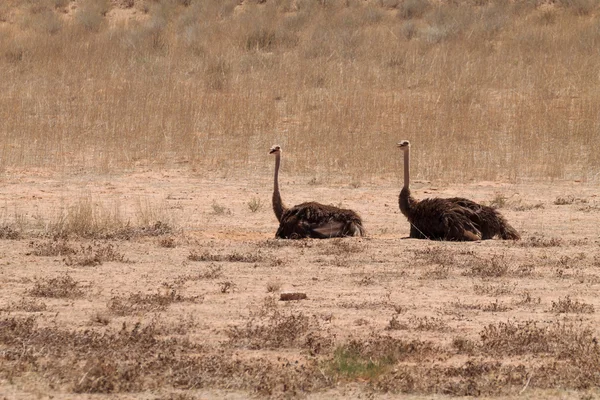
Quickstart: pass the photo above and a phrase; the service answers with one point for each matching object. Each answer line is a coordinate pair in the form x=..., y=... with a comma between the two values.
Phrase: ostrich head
x=275, y=149
x=404, y=145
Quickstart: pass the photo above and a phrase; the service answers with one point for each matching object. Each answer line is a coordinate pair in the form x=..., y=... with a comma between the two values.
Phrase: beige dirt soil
x=223, y=268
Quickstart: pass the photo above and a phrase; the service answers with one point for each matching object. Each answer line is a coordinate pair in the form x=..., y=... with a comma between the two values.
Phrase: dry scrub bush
x=233, y=257
x=59, y=287
x=52, y=248
x=138, y=303
x=367, y=359
x=562, y=339
x=139, y=358
x=6, y=232
x=213, y=271
x=277, y=330
x=95, y=254
x=89, y=219
x=568, y=305
x=27, y=305
x=495, y=267
x=489, y=92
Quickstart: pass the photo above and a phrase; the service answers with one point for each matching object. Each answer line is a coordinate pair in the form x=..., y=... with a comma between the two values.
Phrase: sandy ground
x=355, y=286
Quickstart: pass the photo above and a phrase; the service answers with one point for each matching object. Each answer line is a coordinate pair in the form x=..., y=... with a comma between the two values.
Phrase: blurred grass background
x=485, y=90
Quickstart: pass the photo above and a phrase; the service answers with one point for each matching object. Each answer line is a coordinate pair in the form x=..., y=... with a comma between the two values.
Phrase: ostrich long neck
x=278, y=206
x=405, y=200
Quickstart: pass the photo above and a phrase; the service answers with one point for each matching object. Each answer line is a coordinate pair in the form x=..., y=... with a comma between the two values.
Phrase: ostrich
x=450, y=219
x=311, y=220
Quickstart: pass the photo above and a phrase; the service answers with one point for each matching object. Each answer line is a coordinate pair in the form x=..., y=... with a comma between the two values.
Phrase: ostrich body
x=453, y=218
x=311, y=219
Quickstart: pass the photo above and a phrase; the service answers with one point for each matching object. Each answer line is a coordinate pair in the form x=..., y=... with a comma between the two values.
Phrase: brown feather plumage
x=453, y=218
x=311, y=220
x=308, y=220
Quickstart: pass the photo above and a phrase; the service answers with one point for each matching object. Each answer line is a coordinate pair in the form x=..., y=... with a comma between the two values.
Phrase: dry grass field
x=137, y=250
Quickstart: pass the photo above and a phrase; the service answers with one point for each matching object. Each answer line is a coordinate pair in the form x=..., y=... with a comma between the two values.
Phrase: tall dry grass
x=484, y=89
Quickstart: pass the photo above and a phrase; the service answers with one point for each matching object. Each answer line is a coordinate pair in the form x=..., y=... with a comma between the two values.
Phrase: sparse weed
x=255, y=204
x=349, y=364
x=167, y=242
x=463, y=345
x=95, y=254
x=493, y=268
x=568, y=305
x=496, y=306
x=59, y=287
x=438, y=272
x=52, y=248
x=499, y=201
x=413, y=8
x=273, y=286
x=213, y=271
x=227, y=287
x=535, y=241
x=373, y=358
x=218, y=209
x=6, y=232
x=138, y=303
x=89, y=219
x=435, y=255
x=99, y=318
x=233, y=257
x=395, y=324
x=527, y=206
x=27, y=305
x=494, y=290
x=566, y=200
x=427, y=323
x=343, y=247
x=563, y=339
x=278, y=330
x=366, y=281
x=526, y=299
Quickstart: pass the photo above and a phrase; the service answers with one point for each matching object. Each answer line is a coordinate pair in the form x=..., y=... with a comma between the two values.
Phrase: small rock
x=287, y=296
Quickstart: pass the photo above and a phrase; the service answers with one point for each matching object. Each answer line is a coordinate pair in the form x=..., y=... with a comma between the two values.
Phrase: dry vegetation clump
x=427, y=323
x=526, y=299
x=27, y=305
x=213, y=271
x=233, y=257
x=255, y=204
x=369, y=359
x=136, y=358
x=342, y=247
x=95, y=254
x=59, y=287
x=495, y=267
x=494, y=290
x=496, y=306
x=536, y=241
x=138, y=303
x=568, y=305
x=6, y=232
x=273, y=286
x=227, y=287
x=366, y=280
x=423, y=323
x=89, y=219
x=167, y=242
x=276, y=330
x=52, y=248
x=561, y=339
x=437, y=272
x=396, y=325
x=91, y=255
